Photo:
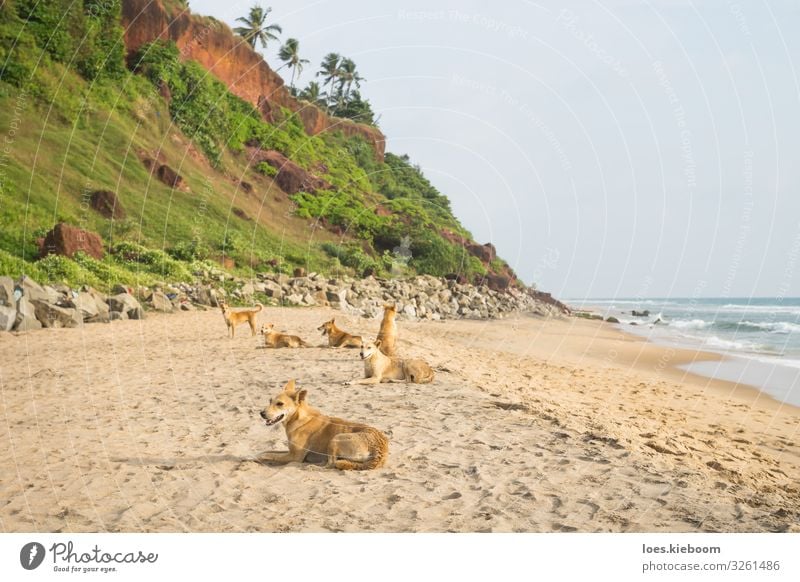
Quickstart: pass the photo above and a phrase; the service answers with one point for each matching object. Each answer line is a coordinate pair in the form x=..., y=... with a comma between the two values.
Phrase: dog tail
x=260, y=307
x=379, y=445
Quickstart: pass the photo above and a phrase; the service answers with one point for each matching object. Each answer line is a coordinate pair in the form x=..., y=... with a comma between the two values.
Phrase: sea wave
x=739, y=308
x=781, y=327
x=690, y=324
x=719, y=343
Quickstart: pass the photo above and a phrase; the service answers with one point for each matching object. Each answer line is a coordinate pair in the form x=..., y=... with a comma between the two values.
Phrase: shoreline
x=532, y=424
x=741, y=370
x=684, y=360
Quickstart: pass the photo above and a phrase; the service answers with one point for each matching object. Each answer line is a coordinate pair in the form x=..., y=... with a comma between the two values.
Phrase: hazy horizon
x=607, y=149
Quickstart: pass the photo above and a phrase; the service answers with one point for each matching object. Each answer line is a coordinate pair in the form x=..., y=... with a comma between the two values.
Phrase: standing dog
x=234, y=318
x=379, y=367
x=274, y=339
x=348, y=445
x=388, y=332
x=338, y=338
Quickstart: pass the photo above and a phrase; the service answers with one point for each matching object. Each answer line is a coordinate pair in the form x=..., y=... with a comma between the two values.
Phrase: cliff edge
x=234, y=62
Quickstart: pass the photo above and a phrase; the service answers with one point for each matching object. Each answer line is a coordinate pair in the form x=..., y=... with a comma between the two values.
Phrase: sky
x=615, y=148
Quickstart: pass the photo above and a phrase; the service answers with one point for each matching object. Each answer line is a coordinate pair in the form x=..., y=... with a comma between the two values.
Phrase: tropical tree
x=329, y=70
x=255, y=28
x=312, y=93
x=291, y=58
x=348, y=76
x=357, y=109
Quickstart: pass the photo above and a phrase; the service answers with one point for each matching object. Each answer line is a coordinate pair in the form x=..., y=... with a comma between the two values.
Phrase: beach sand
x=531, y=425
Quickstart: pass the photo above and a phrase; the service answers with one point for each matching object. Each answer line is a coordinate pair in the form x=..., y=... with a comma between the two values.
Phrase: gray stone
x=7, y=291
x=338, y=296
x=27, y=323
x=100, y=301
x=272, y=289
x=33, y=291
x=127, y=304
x=86, y=304
x=160, y=302
x=26, y=316
x=247, y=290
x=8, y=317
x=320, y=298
x=117, y=315
x=54, y=316
x=206, y=296
x=294, y=299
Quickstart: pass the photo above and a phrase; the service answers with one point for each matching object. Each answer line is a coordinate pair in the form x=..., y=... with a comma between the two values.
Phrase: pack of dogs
x=311, y=434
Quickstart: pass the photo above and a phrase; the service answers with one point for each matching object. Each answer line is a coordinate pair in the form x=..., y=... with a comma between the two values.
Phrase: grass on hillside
x=82, y=122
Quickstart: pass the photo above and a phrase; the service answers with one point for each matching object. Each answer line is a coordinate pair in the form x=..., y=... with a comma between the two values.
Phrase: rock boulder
x=67, y=240
x=54, y=316
x=127, y=304
x=107, y=204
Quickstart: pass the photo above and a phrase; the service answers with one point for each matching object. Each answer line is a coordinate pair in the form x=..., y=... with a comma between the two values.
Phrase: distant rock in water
x=612, y=319
x=67, y=240
x=644, y=313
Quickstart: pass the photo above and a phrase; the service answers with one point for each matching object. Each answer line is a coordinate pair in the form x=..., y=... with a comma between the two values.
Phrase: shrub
x=353, y=256
x=266, y=169
x=189, y=251
x=136, y=257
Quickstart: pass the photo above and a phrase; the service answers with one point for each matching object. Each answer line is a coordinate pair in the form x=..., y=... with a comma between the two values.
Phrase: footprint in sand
x=593, y=507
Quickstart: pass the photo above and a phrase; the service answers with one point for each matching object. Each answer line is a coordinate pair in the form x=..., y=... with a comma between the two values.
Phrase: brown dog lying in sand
x=379, y=367
x=348, y=445
x=274, y=339
x=338, y=338
x=388, y=332
x=234, y=318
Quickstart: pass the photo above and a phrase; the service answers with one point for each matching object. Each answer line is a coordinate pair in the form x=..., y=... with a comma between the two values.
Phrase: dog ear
x=377, y=343
x=333, y=319
x=289, y=388
x=301, y=396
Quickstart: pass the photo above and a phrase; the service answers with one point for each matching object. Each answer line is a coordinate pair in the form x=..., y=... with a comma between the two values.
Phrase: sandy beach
x=532, y=425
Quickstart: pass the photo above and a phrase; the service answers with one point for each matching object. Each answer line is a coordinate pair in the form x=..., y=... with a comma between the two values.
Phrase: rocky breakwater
x=26, y=305
x=422, y=297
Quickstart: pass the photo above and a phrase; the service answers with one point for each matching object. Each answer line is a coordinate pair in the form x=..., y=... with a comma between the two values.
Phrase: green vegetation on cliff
x=76, y=120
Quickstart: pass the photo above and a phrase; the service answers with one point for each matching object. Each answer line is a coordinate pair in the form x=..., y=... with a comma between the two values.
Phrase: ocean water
x=760, y=336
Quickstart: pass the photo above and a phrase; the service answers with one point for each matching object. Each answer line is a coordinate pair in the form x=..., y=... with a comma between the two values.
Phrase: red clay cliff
x=212, y=44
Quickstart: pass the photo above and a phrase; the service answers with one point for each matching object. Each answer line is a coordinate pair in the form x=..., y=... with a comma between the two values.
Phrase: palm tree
x=312, y=93
x=347, y=77
x=290, y=56
x=254, y=29
x=329, y=69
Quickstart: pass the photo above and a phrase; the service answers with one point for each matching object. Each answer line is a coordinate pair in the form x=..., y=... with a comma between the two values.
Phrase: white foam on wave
x=685, y=324
x=737, y=308
x=782, y=327
x=725, y=344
